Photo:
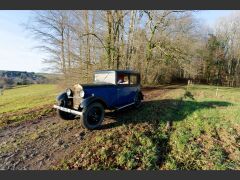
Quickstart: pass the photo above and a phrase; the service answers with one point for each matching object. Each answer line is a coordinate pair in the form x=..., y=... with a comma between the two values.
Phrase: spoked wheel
x=93, y=116
x=137, y=101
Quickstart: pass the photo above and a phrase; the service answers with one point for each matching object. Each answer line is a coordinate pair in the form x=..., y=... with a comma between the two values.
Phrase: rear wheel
x=93, y=116
x=62, y=114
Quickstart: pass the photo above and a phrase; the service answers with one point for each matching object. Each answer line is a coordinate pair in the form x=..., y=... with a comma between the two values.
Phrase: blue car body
x=113, y=96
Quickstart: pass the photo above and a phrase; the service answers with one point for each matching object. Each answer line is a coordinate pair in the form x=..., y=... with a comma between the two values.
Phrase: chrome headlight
x=82, y=94
x=69, y=92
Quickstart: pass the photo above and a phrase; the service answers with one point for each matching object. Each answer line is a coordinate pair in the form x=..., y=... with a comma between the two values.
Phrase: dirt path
x=42, y=143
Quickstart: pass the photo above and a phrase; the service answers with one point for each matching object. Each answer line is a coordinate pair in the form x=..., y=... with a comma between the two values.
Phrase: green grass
x=26, y=102
x=208, y=138
x=205, y=134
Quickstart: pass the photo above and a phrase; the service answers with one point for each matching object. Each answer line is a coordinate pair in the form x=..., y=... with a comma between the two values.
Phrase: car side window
x=133, y=79
x=122, y=79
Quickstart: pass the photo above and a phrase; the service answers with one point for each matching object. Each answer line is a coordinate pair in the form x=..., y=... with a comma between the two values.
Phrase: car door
x=123, y=90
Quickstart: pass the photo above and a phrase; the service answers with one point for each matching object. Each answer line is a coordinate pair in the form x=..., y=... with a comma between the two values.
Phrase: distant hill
x=13, y=78
x=51, y=77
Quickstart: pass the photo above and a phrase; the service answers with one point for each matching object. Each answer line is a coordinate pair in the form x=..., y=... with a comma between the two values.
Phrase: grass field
x=205, y=134
x=26, y=102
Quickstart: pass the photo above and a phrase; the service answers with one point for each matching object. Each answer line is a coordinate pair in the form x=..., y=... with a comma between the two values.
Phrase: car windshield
x=104, y=77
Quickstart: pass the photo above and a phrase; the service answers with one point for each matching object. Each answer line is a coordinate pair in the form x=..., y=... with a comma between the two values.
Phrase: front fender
x=62, y=96
x=92, y=99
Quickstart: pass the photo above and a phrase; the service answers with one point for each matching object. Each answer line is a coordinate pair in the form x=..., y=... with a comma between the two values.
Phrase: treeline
x=13, y=78
x=163, y=45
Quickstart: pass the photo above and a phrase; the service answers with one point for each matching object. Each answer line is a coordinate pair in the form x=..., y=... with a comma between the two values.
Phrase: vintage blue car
x=111, y=89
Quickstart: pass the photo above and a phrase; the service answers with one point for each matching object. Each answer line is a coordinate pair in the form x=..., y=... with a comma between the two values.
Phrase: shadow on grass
x=160, y=111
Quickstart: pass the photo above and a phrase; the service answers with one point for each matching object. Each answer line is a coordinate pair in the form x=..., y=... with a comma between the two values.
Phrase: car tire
x=93, y=116
x=64, y=115
x=137, y=101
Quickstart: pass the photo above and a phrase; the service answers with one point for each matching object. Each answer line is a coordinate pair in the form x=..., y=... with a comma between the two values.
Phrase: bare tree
x=162, y=45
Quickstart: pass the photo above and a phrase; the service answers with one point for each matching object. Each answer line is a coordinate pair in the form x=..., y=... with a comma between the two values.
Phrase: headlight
x=82, y=94
x=69, y=92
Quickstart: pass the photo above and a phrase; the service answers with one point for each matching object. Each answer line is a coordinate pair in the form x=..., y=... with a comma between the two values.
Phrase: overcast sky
x=17, y=47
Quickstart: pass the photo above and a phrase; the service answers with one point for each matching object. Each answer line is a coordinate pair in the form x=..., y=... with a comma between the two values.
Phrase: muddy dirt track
x=42, y=143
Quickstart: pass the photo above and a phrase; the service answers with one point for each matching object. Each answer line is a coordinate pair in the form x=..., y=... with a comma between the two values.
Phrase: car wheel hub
x=94, y=116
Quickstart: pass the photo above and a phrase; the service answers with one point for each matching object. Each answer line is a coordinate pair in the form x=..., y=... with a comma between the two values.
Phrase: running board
x=125, y=106
x=68, y=110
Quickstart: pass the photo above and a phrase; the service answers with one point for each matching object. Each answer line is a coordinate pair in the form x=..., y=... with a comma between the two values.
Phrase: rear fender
x=141, y=95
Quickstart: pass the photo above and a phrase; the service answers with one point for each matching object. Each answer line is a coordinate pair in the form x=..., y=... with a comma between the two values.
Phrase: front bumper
x=68, y=110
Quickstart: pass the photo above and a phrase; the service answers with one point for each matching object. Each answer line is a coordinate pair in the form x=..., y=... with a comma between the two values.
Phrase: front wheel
x=93, y=116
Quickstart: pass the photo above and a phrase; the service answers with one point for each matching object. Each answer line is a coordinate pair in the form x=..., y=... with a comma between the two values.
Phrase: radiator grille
x=76, y=95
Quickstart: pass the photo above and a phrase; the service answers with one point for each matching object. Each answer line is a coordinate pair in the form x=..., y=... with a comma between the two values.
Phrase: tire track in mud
x=42, y=143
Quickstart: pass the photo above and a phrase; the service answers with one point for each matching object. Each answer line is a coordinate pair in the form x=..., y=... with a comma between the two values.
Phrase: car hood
x=93, y=88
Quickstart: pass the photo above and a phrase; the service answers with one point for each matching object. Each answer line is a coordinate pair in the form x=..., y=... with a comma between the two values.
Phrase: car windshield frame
x=108, y=77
